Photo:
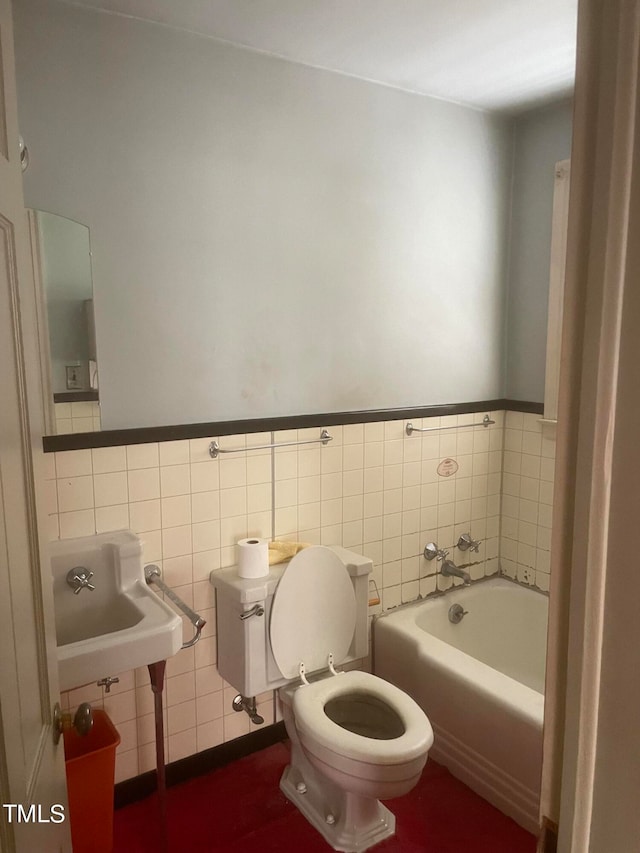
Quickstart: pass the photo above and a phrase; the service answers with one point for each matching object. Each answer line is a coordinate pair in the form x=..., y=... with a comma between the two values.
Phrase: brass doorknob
x=82, y=720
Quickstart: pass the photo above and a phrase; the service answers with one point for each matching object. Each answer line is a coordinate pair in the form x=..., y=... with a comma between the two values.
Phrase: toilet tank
x=245, y=660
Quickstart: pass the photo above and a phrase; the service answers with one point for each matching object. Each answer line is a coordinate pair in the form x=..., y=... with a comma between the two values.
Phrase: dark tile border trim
x=143, y=435
x=132, y=790
x=75, y=396
x=523, y=406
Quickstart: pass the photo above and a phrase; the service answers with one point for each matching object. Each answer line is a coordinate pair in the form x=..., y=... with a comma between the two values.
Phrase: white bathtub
x=481, y=684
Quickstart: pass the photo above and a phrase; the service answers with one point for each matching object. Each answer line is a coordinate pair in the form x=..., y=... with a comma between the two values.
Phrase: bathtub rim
x=457, y=588
x=516, y=697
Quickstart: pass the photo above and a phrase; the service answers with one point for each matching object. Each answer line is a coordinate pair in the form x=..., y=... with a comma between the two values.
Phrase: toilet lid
x=313, y=612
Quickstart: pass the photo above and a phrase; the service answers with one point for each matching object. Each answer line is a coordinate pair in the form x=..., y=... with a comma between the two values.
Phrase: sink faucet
x=80, y=578
x=449, y=569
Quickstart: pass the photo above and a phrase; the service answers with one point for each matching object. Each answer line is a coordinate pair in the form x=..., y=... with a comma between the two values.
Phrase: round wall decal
x=447, y=467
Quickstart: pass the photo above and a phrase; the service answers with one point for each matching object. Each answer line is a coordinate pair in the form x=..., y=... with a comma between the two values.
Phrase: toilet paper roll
x=253, y=558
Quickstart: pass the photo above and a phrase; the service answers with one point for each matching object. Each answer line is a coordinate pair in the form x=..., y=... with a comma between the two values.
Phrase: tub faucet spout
x=449, y=569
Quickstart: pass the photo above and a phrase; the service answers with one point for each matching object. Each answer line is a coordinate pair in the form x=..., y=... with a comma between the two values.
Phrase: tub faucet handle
x=467, y=543
x=431, y=551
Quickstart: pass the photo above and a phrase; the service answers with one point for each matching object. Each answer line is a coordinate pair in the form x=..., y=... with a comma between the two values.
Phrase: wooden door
x=32, y=776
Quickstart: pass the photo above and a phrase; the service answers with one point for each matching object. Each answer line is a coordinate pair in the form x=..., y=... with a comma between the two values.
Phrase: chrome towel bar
x=215, y=449
x=486, y=421
x=152, y=575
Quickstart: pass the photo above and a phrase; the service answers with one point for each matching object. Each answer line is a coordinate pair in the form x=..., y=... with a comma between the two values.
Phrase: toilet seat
x=313, y=723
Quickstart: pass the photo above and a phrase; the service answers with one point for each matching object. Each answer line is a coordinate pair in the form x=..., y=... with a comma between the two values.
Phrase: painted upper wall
x=267, y=238
x=542, y=138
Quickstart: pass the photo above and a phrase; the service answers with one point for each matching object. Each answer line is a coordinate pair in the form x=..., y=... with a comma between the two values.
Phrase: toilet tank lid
x=313, y=612
x=253, y=590
x=246, y=590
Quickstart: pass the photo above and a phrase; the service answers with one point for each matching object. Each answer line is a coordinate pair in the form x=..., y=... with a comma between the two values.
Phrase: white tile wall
x=83, y=416
x=529, y=459
x=372, y=488
x=376, y=490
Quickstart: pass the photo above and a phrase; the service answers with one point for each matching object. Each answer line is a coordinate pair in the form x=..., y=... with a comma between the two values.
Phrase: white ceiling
x=505, y=55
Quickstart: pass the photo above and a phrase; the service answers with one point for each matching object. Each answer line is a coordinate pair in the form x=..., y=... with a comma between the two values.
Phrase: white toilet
x=355, y=738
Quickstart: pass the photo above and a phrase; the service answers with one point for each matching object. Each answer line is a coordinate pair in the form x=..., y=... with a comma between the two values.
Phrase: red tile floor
x=240, y=809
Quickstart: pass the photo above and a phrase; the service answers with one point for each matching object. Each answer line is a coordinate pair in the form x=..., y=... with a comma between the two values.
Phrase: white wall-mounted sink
x=121, y=624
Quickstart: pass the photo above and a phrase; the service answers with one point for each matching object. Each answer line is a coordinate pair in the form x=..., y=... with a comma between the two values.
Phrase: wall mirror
x=61, y=253
x=273, y=239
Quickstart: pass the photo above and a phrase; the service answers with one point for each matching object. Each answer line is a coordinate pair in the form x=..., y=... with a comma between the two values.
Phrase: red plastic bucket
x=90, y=763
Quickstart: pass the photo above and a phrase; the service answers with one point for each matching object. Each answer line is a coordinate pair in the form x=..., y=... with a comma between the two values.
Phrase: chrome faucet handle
x=431, y=551
x=80, y=578
x=467, y=543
